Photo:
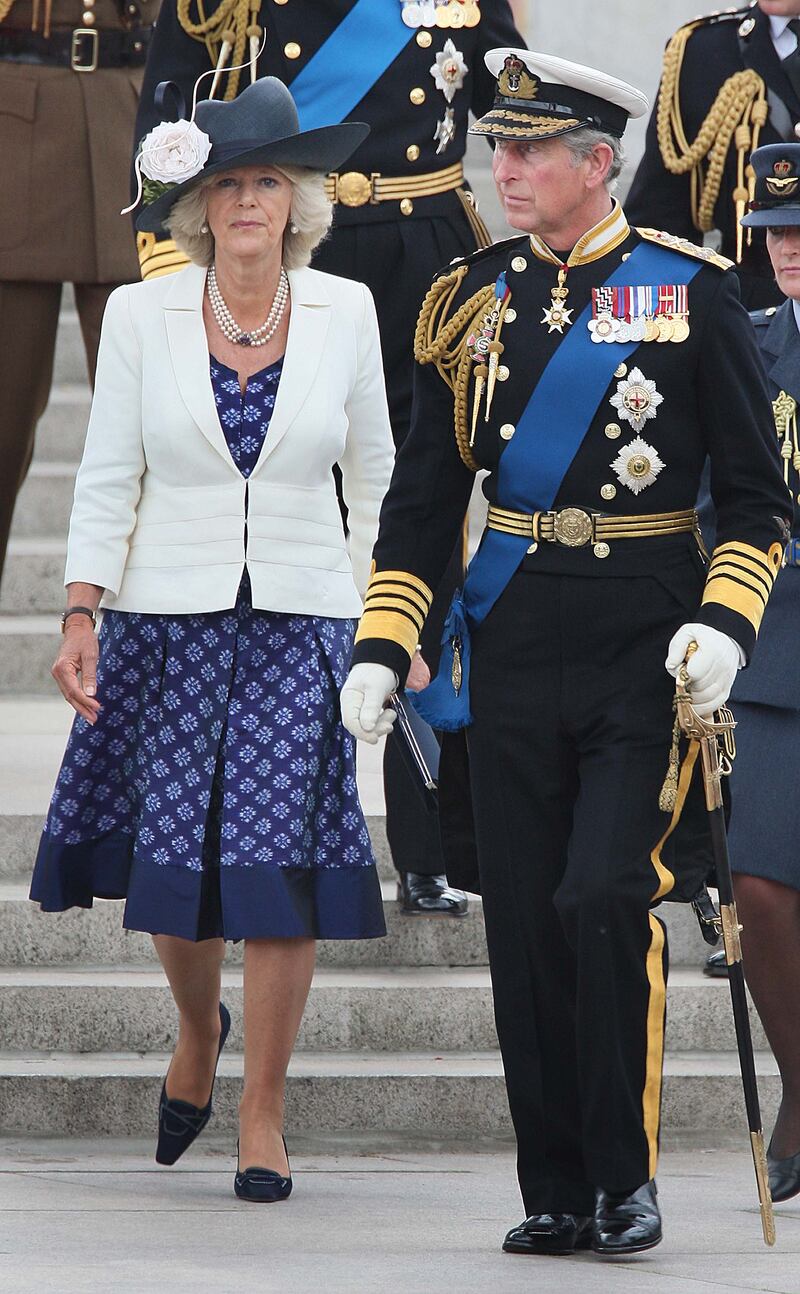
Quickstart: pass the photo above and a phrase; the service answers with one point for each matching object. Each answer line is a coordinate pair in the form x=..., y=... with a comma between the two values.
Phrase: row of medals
x=648, y=328
x=441, y=13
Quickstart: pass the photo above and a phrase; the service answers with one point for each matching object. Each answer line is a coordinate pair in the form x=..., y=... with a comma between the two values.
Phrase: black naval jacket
x=774, y=680
x=715, y=404
x=724, y=44
x=402, y=109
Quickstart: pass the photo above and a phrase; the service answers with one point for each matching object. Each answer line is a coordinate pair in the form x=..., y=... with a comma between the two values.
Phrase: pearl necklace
x=228, y=326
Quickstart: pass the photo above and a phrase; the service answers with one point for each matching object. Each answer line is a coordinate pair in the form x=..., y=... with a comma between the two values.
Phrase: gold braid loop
x=231, y=18
x=433, y=344
x=735, y=118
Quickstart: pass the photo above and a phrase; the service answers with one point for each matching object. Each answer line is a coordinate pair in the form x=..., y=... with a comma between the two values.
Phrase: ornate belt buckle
x=76, y=60
x=572, y=527
x=354, y=189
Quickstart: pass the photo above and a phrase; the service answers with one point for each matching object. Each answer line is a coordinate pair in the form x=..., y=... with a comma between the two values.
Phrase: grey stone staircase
x=398, y=1037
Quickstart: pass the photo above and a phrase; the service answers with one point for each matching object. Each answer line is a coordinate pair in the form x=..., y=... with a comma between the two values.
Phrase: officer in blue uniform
x=414, y=72
x=731, y=82
x=590, y=368
x=764, y=826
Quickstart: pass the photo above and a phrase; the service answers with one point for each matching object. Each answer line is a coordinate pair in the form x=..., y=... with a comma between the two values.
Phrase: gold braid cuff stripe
x=395, y=608
x=740, y=578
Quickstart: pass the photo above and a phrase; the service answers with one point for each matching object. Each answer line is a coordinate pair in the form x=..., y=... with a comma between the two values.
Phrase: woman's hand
x=419, y=676
x=75, y=667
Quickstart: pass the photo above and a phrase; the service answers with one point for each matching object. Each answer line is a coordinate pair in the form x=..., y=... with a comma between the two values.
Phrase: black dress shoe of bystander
x=627, y=1222
x=549, y=1233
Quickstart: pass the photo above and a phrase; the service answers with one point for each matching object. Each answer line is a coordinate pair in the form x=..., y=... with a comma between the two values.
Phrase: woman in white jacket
x=208, y=779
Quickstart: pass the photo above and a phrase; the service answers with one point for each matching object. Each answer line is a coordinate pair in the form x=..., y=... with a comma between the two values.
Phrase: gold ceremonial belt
x=574, y=527
x=353, y=189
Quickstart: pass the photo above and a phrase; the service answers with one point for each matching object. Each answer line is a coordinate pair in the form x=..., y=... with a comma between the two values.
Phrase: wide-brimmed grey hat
x=260, y=127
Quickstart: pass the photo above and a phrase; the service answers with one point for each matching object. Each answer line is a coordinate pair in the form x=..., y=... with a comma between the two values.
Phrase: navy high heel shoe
x=784, y=1176
x=262, y=1185
x=180, y=1122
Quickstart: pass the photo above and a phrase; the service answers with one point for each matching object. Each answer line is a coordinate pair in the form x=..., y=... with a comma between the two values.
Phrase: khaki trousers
x=28, y=324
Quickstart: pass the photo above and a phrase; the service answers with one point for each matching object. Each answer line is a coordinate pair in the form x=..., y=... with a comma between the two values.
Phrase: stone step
x=29, y=937
x=33, y=579
x=433, y=1095
x=130, y=1009
x=28, y=647
x=62, y=427
x=45, y=501
x=70, y=358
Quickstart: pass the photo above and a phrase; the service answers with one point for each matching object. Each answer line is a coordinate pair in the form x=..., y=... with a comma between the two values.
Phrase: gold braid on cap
x=735, y=117
x=231, y=24
x=433, y=344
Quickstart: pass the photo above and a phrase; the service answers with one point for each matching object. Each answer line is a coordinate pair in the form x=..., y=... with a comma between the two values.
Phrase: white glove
x=711, y=669
x=363, y=700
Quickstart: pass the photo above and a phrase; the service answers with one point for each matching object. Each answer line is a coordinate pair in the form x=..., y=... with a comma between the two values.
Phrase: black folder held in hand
x=418, y=748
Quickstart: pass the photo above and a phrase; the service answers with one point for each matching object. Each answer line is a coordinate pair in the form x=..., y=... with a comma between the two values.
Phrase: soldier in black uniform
x=413, y=71
x=590, y=368
x=731, y=82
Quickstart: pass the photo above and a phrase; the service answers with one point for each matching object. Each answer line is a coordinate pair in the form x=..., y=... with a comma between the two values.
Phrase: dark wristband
x=74, y=611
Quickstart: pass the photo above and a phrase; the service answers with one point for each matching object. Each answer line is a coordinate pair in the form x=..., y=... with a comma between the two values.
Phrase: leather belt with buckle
x=83, y=49
x=576, y=527
x=354, y=189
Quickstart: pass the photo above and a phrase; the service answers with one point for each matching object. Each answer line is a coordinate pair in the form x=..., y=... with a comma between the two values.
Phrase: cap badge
x=515, y=82
x=782, y=169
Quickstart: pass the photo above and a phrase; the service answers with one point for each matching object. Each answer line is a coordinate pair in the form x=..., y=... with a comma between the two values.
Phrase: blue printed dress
x=216, y=792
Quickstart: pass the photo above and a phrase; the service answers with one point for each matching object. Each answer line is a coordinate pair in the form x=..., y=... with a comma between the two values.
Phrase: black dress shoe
x=627, y=1224
x=262, y=1185
x=716, y=966
x=179, y=1122
x=549, y=1233
x=429, y=896
x=784, y=1176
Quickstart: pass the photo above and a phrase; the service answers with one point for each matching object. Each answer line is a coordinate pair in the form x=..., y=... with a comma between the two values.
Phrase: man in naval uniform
x=69, y=77
x=412, y=69
x=731, y=82
x=590, y=368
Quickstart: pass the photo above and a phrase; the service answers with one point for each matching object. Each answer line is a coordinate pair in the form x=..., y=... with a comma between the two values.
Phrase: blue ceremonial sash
x=346, y=67
x=532, y=468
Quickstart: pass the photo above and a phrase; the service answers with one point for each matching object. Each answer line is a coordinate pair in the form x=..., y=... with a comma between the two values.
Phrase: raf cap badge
x=782, y=183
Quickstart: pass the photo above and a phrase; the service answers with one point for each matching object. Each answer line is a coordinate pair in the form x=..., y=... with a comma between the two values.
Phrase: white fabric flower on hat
x=637, y=465
x=449, y=70
x=174, y=151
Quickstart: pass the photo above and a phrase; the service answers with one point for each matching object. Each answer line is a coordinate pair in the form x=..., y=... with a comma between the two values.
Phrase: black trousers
x=398, y=260
x=568, y=751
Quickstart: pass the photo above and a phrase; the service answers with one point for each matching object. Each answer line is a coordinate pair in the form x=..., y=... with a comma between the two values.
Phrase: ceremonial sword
x=717, y=751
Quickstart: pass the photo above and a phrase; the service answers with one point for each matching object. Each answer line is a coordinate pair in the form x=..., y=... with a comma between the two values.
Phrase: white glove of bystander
x=711, y=669
x=363, y=700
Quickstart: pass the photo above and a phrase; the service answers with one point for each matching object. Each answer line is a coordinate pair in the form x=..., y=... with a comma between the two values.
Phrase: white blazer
x=162, y=518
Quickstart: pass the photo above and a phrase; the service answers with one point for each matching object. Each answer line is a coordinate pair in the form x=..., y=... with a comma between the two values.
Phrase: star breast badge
x=637, y=465
x=636, y=399
x=449, y=70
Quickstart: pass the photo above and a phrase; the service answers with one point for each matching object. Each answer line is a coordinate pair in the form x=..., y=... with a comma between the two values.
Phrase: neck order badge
x=530, y=474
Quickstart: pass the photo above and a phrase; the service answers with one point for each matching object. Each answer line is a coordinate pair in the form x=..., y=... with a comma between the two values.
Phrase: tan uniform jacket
x=65, y=148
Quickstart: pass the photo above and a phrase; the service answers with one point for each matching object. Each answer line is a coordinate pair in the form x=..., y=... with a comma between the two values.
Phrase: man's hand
x=711, y=669
x=363, y=700
x=419, y=676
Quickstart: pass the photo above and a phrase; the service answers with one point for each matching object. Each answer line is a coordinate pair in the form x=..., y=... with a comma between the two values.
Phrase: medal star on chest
x=637, y=465
x=449, y=70
x=636, y=400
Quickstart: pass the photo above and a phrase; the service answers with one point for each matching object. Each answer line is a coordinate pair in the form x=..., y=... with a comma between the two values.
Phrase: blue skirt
x=216, y=792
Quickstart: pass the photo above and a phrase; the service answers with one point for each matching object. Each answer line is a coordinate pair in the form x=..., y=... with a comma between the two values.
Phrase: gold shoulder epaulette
x=688, y=248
